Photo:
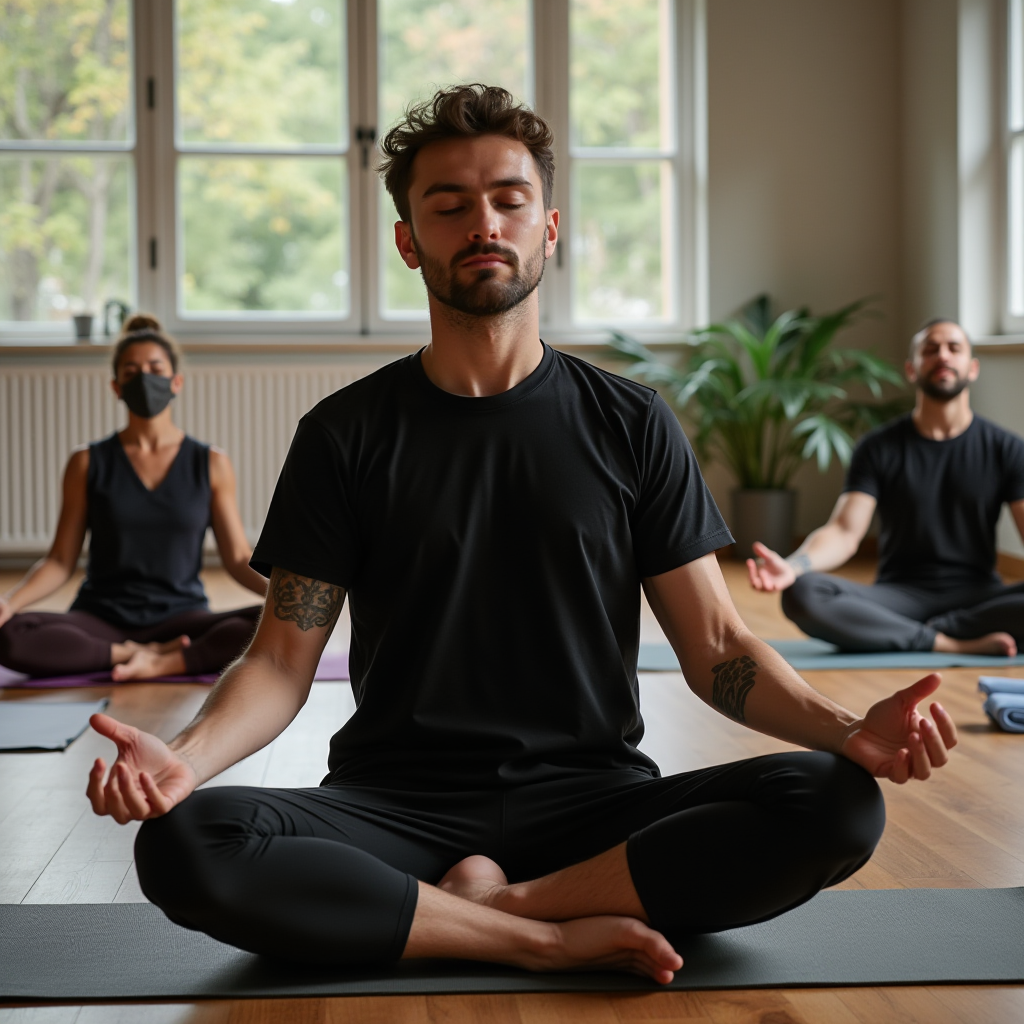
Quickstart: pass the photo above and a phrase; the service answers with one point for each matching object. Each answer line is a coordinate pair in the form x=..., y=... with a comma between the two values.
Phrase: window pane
x=65, y=71
x=1016, y=227
x=621, y=257
x=620, y=71
x=405, y=295
x=263, y=236
x=267, y=73
x=425, y=45
x=1015, y=17
x=65, y=235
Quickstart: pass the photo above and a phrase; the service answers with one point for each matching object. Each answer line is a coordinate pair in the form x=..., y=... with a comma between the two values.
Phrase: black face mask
x=147, y=394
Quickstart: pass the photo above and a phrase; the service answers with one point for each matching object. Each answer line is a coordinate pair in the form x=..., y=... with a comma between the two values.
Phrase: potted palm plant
x=764, y=394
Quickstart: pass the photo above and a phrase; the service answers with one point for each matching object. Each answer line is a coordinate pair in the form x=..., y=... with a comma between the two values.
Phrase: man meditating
x=939, y=477
x=492, y=507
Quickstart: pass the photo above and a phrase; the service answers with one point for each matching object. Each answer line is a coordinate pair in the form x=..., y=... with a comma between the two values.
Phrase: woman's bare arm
x=53, y=571
x=232, y=543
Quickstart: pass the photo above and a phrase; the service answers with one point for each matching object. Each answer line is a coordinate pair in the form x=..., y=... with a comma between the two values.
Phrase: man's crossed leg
x=605, y=868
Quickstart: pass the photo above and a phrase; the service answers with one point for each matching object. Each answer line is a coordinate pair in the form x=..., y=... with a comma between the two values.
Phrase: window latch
x=366, y=138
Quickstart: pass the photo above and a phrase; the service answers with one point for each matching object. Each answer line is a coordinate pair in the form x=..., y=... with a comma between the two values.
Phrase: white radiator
x=251, y=412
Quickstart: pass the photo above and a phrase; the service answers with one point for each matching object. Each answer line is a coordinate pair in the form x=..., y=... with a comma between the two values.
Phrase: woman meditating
x=146, y=495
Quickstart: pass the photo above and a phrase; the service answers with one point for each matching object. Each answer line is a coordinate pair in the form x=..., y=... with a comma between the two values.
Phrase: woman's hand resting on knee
x=146, y=780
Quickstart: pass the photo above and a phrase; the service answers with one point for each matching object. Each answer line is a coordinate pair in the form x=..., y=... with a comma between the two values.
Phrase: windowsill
x=283, y=345
x=1004, y=344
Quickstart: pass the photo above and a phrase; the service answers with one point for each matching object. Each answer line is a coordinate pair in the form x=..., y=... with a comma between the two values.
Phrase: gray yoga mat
x=38, y=725
x=808, y=655
x=891, y=937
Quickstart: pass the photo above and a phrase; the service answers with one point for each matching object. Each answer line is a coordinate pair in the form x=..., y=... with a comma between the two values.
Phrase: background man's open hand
x=146, y=780
x=769, y=571
x=895, y=741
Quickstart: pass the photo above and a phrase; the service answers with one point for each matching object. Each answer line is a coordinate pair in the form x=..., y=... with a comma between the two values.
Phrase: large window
x=212, y=160
x=67, y=145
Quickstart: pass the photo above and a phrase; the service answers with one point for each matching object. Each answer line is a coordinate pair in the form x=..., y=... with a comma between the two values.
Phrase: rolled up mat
x=1006, y=710
x=999, y=684
x=83, y=952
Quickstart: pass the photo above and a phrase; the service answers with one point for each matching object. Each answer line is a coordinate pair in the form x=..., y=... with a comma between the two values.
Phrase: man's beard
x=943, y=392
x=485, y=295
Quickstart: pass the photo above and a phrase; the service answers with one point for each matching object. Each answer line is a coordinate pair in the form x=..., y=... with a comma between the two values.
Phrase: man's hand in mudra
x=895, y=741
x=146, y=780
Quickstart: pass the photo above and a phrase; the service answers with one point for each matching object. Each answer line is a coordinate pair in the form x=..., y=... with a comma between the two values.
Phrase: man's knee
x=801, y=601
x=840, y=804
x=176, y=860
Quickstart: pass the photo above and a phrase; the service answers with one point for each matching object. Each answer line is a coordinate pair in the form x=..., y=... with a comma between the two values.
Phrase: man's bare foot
x=147, y=664
x=477, y=879
x=447, y=926
x=603, y=943
x=1000, y=644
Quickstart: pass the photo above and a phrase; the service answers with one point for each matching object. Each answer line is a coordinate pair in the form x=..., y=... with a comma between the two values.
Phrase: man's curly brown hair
x=463, y=112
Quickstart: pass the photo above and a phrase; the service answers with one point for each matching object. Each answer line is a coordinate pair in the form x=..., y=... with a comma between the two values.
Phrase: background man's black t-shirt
x=492, y=550
x=938, y=501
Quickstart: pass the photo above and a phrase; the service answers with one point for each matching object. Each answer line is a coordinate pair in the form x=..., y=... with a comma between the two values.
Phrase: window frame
x=155, y=191
x=1011, y=110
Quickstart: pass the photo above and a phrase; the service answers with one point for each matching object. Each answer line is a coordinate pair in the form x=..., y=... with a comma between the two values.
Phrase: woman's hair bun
x=141, y=322
x=144, y=327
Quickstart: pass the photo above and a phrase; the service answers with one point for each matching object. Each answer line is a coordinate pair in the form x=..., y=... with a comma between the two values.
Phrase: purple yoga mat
x=333, y=666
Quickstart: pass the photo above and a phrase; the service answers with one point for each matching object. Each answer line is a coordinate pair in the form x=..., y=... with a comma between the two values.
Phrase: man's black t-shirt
x=492, y=550
x=938, y=500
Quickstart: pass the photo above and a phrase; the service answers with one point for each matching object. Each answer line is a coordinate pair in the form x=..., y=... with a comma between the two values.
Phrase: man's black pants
x=328, y=875
x=901, y=616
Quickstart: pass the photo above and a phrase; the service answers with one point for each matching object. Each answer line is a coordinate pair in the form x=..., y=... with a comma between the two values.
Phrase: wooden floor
x=963, y=828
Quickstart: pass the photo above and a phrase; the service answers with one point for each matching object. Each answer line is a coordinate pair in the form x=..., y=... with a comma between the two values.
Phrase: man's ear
x=406, y=245
x=177, y=381
x=973, y=370
x=552, y=234
x=908, y=372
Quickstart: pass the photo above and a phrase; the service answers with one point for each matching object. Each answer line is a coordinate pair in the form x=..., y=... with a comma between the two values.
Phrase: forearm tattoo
x=733, y=681
x=305, y=602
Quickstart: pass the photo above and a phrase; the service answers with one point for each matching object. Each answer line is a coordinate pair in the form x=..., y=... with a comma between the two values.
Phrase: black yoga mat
x=891, y=937
x=38, y=725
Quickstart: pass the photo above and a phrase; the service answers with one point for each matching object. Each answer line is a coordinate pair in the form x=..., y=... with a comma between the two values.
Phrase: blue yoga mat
x=809, y=655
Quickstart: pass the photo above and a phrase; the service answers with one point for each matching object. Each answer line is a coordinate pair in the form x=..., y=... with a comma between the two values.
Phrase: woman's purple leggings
x=64, y=643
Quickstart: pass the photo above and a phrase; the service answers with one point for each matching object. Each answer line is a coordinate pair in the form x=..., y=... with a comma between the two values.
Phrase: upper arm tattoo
x=733, y=681
x=305, y=601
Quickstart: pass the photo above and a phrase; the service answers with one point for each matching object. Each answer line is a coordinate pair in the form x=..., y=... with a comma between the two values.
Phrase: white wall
x=804, y=172
x=997, y=395
x=928, y=84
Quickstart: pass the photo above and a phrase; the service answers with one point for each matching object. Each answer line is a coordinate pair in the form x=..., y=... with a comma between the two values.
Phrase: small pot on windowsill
x=83, y=328
x=767, y=515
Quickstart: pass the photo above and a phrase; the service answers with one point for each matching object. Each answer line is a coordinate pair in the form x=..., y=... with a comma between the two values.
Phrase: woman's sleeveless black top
x=146, y=547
